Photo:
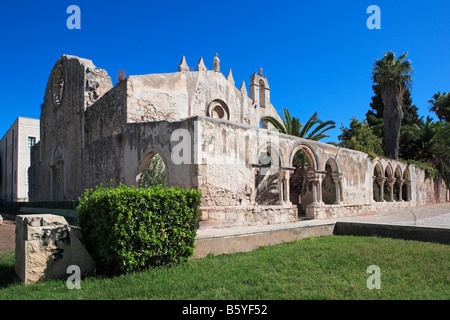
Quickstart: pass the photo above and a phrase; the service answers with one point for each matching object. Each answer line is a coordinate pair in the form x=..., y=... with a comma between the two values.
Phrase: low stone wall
x=323, y=211
x=233, y=216
x=46, y=246
x=251, y=238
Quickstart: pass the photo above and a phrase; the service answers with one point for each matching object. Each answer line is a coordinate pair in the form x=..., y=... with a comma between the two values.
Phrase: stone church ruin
x=209, y=135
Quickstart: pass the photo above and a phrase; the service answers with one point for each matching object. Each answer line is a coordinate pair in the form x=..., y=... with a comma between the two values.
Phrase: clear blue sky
x=317, y=55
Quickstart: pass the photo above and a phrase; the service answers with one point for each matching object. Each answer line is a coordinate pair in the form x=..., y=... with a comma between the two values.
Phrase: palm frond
x=278, y=125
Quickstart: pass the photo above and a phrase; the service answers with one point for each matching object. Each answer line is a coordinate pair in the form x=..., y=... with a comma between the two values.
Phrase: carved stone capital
x=391, y=181
x=337, y=177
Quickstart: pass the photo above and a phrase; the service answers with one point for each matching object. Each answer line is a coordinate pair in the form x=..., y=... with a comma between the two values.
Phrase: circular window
x=218, y=112
x=58, y=86
x=218, y=109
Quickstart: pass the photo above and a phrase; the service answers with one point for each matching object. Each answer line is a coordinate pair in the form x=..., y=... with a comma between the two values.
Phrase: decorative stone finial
x=183, y=67
x=216, y=65
x=201, y=65
x=260, y=71
x=243, y=89
x=230, y=77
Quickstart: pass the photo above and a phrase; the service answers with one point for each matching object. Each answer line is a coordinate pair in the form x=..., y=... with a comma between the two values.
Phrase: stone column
x=314, y=178
x=319, y=187
x=280, y=176
x=287, y=187
x=391, y=182
x=381, y=181
x=408, y=189
x=400, y=187
x=337, y=178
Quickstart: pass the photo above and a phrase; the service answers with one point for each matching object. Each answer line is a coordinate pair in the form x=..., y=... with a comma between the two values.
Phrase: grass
x=332, y=267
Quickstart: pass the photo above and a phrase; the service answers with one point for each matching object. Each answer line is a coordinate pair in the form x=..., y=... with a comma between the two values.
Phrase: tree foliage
x=360, y=137
x=440, y=105
x=154, y=174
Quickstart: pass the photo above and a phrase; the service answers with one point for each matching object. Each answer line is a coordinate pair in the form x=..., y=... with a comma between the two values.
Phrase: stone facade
x=210, y=137
x=15, y=159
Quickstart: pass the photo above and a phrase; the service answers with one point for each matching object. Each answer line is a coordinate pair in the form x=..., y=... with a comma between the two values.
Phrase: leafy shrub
x=430, y=171
x=127, y=229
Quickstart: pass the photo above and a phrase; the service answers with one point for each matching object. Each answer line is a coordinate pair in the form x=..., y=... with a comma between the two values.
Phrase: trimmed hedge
x=127, y=229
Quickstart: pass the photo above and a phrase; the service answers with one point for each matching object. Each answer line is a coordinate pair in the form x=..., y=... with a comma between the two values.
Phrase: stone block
x=45, y=246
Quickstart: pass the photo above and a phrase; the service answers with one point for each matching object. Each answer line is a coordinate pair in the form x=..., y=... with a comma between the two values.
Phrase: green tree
x=440, y=105
x=393, y=76
x=434, y=146
x=360, y=137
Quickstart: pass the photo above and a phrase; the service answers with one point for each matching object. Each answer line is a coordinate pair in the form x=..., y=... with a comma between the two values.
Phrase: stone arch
x=378, y=182
x=331, y=182
x=378, y=170
x=58, y=174
x=268, y=180
x=301, y=190
x=398, y=186
x=272, y=148
x=333, y=163
x=388, y=171
x=406, y=190
x=390, y=180
x=406, y=174
x=308, y=151
x=148, y=159
x=217, y=108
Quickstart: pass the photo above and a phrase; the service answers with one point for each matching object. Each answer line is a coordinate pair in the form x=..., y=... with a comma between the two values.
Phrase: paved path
x=437, y=215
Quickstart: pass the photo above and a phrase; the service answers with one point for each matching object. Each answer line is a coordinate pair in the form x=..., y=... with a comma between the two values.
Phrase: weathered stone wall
x=141, y=141
x=106, y=116
x=178, y=96
x=73, y=85
x=227, y=177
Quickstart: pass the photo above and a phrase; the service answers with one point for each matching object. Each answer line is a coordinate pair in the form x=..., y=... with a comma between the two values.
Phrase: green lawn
x=332, y=267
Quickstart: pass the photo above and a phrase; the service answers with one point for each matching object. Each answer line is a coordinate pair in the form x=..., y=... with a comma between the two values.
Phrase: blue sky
x=317, y=55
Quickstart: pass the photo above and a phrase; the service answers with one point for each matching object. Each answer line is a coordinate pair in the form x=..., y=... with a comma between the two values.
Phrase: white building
x=15, y=158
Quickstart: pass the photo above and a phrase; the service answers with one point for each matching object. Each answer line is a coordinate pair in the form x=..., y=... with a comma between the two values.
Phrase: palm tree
x=434, y=146
x=292, y=126
x=394, y=77
x=440, y=105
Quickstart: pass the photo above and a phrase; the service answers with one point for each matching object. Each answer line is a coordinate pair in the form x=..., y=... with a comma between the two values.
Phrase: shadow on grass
x=7, y=272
